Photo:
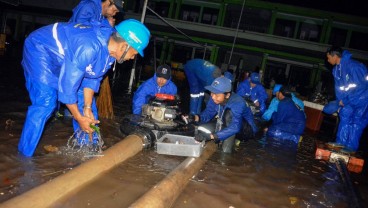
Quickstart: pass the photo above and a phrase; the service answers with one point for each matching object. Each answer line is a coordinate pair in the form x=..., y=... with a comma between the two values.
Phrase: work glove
x=200, y=137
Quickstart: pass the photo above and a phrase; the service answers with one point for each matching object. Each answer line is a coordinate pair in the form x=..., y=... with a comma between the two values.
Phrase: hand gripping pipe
x=167, y=191
x=46, y=194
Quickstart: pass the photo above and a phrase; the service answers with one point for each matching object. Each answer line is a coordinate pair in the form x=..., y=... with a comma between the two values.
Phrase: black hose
x=345, y=177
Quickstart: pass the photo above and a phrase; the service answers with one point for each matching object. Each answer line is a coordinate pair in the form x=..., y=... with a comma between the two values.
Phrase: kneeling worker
x=229, y=110
x=288, y=122
x=275, y=102
x=159, y=83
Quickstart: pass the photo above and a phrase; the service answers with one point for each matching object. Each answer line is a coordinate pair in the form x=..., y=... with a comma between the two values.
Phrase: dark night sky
x=352, y=7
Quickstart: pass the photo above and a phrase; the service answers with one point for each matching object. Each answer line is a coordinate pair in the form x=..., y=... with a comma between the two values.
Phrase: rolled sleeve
x=93, y=84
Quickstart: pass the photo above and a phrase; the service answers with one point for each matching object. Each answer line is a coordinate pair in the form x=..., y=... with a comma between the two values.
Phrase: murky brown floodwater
x=255, y=176
x=258, y=174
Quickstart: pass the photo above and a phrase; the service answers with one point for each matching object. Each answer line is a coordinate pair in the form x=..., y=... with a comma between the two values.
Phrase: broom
x=104, y=100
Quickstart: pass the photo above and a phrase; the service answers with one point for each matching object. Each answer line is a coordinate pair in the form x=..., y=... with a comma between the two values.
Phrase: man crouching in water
x=227, y=110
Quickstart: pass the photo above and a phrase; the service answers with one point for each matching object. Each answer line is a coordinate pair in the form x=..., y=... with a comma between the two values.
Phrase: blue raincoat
x=59, y=60
x=240, y=111
x=267, y=115
x=351, y=87
x=256, y=94
x=200, y=73
x=148, y=90
x=288, y=122
x=89, y=11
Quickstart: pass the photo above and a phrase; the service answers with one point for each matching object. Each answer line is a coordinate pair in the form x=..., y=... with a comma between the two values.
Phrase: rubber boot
x=228, y=144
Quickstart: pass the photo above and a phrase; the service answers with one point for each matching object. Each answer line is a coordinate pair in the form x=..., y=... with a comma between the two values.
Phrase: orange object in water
x=165, y=96
x=322, y=154
x=354, y=164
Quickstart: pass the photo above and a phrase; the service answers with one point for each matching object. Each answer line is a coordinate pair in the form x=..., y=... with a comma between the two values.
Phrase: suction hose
x=167, y=191
x=345, y=177
x=46, y=194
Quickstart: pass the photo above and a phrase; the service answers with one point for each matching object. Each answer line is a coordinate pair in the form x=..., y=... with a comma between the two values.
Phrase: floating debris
x=50, y=148
x=9, y=124
x=293, y=200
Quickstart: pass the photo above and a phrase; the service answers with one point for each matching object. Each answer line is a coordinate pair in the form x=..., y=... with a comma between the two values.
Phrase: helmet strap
x=121, y=60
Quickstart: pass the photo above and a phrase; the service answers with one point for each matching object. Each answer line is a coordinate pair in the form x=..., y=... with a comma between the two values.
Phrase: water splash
x=87, y=144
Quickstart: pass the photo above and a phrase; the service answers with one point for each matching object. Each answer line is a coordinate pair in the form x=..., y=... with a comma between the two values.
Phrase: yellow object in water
x=237, y=142
x=300, y=140
x=50, y=148
x=293, y=200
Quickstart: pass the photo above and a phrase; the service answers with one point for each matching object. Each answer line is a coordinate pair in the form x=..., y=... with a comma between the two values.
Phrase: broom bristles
x=104, y=100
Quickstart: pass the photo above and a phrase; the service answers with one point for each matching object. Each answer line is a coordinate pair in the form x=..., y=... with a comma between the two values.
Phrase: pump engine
x=161, y=111
x=159, y=116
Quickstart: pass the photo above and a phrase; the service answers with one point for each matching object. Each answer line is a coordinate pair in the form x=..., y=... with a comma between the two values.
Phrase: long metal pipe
x=132, y=73
x=46, y=194
x=166, y=192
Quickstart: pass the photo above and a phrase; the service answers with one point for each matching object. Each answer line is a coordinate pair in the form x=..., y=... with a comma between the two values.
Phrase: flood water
x=259, y=173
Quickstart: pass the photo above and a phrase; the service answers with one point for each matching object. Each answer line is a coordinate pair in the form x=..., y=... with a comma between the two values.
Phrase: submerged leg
x=43, y=100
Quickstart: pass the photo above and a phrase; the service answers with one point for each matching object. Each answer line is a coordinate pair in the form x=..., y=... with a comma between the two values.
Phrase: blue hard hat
x=254, y=78
x=220, y=85
x=134, y=33
x=276, y=88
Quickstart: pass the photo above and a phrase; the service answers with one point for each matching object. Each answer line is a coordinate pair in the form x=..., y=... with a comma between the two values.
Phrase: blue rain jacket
x=58, y=61
x=148, y=90
x=240, y=111
x=267, y=115
x=88, y=11
x=351, y=87
x=350, y=81
x=258, y=93
x=288, y=122
x=199, y=74
x=69, y=56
